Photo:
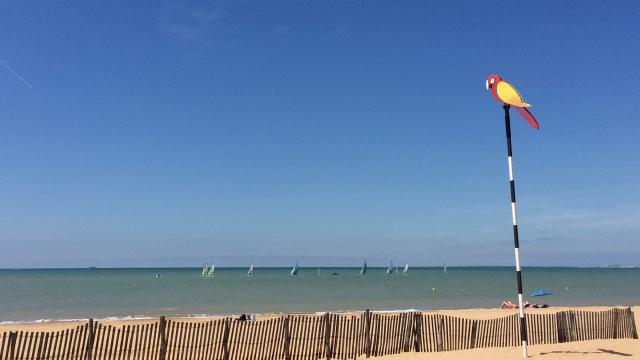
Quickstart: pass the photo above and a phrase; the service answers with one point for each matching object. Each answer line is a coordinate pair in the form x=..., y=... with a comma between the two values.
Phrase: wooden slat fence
x=263, y=339
x=307, y=336
x=347, y=336
x=310, y=337
x=194, y=340
x=541, y=329
x=391, y=333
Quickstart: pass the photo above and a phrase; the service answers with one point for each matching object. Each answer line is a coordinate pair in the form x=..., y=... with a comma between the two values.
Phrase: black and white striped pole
x=516, y=243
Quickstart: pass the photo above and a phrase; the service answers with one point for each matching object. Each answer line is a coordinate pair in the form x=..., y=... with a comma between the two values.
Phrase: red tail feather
x=528, y=116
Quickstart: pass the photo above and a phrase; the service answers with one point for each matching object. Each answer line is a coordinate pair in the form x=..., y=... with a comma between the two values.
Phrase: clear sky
x=172, y=133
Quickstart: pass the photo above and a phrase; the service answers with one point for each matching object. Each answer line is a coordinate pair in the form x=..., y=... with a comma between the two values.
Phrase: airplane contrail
x=9, y=69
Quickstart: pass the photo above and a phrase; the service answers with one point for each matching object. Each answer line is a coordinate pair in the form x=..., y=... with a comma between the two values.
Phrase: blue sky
x=166, y=133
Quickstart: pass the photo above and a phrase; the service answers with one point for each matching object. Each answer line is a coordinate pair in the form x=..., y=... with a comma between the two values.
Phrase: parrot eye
x=493, y=80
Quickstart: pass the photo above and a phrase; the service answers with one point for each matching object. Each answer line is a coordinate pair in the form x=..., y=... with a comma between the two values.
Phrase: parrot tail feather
x=528, y=117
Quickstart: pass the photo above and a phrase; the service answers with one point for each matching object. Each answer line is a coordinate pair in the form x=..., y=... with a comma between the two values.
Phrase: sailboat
x=250, y=272
x=445, y=268
x=363, y=271
x=390, y=268
x=318, y=272
x=405, y=271
x=210, y=271
x=294, y=271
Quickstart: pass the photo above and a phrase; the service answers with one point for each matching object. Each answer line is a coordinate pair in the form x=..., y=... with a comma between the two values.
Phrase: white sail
x=405, y=271
x=294, y=271
x=212, y=270
x=445, y=268
x=390, y=268
x=204, y=269
x=250, y=272
x=363, y=271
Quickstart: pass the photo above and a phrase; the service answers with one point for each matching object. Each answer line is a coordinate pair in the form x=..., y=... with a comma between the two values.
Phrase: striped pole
x=516, y=243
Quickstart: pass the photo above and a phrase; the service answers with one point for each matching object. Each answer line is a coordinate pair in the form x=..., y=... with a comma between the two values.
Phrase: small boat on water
x=390, y=268
x=209, y=271
x=294, y=271
x=318, y=272
x=405, y=271
x=445, y=268
x=363, y=271
x=250, y=272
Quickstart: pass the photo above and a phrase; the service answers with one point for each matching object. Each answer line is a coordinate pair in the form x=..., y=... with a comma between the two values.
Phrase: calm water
x=28, y=295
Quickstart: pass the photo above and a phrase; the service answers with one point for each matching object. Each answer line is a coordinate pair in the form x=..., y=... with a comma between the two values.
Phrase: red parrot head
x=492, y=80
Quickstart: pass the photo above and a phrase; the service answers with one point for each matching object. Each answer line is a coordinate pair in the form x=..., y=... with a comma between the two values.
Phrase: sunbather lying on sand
x=509, y=305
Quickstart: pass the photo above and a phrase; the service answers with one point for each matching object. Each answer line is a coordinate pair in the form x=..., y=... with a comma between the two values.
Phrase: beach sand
x=595, y=349
x=583, y=350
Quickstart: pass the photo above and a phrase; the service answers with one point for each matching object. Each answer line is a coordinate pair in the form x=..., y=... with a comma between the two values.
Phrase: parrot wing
x=509, y=95
x=528, y=116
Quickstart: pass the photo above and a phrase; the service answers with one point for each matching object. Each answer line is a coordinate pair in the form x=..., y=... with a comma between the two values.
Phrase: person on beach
x=509, y=305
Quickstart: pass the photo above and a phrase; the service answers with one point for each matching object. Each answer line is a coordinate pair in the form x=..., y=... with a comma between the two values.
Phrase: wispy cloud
x=16, y=74
x=190, y=22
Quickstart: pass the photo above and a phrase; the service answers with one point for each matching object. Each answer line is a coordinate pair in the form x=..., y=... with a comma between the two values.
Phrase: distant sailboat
x=209, y=271
x=250, y=272
x=390, y=268
x=318, y=272
x=405, y=271
x=294, y=271
x=445, y=268
x=363, y=271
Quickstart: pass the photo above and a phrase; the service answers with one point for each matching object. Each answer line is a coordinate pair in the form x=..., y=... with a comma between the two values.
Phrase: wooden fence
x=311, y=337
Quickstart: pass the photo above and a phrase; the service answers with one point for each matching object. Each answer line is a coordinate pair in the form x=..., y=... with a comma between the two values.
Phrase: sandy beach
x=584, y=350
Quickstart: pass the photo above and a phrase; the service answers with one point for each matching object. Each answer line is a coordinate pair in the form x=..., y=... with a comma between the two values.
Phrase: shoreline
x=469, y=313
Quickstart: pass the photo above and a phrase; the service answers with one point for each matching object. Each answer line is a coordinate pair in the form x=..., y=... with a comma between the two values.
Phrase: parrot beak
x=487, y=84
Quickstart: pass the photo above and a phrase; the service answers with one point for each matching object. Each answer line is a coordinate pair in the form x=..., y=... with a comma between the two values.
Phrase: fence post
x=90, y=335
x=615, y=323
x=560, y=321
x=12, y=344
x=417, y=331
x=367, y=333
x=225, y=339
x=440, y=333
x=574, y=326
x=163, y=338
x=287, y=338
x=474, y=329
x=327, y=334
x=408, y=330
x=632, y=320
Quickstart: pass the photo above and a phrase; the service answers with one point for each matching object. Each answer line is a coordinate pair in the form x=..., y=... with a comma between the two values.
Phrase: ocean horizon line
x=614, y=266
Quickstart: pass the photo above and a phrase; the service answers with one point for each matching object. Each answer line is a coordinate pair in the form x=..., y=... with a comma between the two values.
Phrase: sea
x=37, y=295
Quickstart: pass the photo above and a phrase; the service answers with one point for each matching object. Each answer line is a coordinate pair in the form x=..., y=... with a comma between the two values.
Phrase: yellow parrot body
x=509, y=95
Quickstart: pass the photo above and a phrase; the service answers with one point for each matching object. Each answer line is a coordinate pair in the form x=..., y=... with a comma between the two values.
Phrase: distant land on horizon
x=612, y=266
x=222, y=261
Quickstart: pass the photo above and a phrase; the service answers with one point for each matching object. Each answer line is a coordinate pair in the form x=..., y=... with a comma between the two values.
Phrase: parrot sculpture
x=508, y=95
